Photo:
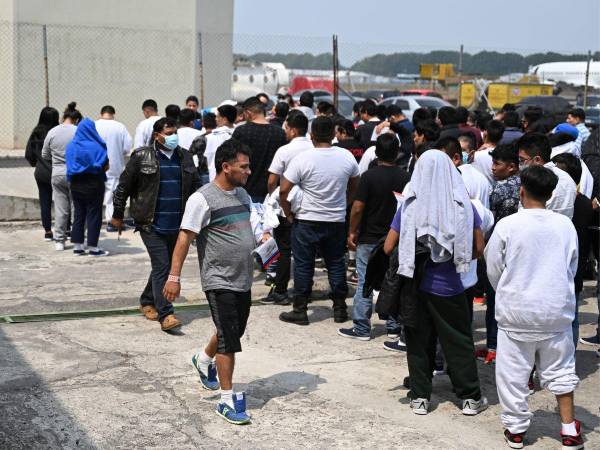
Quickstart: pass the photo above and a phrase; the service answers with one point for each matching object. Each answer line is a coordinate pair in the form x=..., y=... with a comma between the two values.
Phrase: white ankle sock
x=227, y=397
x=203, y=361
x=93, y=249
x=77, y=246
x=569, y=429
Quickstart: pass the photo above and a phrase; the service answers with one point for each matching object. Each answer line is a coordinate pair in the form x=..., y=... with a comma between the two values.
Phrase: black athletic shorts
x=230, y=311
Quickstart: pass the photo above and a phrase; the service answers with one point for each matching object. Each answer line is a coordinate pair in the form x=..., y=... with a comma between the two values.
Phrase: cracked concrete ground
x=121, y=383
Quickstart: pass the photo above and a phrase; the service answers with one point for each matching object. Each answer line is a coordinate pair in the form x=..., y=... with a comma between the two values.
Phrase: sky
x=384, y=26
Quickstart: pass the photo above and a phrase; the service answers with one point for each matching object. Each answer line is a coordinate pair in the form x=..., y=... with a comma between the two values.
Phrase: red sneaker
x=514, y=440
x=490, y=358
x=481, y=353
x=573, y=442
x=479, y=300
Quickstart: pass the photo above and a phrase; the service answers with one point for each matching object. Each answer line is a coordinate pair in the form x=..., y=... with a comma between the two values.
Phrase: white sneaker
x=420, y=406
x=473, y=407
x=59, y=246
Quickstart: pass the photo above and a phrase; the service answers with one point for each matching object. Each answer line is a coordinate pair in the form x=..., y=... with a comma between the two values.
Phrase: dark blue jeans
x=330, y=240
x=45, y=196
x=88, y=210
x=491, y=326
x=160, y=248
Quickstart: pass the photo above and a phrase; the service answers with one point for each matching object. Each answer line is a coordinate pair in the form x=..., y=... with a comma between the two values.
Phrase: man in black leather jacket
x=158, y=180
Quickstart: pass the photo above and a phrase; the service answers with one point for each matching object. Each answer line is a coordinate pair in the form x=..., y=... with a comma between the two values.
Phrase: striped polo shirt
x=167, y=214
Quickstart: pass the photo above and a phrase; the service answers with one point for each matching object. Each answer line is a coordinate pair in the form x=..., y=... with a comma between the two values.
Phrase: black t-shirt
x=583, y=218
x=88, y=185
x=263, y=140
x=376, y=189
x=353, y=146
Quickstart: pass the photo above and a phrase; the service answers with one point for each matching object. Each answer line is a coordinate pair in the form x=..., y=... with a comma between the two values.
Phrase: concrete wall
x=110, y=52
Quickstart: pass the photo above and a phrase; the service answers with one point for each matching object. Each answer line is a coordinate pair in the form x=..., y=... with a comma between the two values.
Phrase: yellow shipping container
x=501, y=93
x=436, y=71
x=467, y=94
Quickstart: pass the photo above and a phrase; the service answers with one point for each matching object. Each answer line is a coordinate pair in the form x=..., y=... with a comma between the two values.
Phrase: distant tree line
x=488, y=63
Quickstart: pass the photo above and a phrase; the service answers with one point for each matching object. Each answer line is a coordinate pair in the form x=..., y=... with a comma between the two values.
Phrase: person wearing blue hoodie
x=87, y=162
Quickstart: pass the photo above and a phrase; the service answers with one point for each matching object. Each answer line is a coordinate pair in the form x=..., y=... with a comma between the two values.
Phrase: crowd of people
x=426, y=215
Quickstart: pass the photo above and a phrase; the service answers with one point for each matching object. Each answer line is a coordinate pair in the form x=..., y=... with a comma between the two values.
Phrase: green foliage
x=487, y=63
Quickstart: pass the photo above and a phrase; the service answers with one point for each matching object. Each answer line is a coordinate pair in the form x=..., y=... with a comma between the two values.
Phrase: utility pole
x=46, y=81
x=460, y=70
x=587, y=79
x=336, y=81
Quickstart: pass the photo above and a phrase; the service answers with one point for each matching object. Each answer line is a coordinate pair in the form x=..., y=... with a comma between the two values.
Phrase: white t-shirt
x=286, y=153
x=366, y=159
x=213, y=141
x=186, y=136
x=563, y=196
x=323, y=176
x=482, y=161
x=143, y=132
x=118, y=144
x=478, y=186
x=469, y=279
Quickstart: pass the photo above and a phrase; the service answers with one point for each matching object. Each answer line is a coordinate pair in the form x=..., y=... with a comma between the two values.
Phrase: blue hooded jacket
x=86, y=153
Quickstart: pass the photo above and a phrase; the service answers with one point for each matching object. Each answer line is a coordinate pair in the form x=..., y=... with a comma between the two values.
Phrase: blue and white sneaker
x=208, y=380
x=236, y=415
x=352, y=334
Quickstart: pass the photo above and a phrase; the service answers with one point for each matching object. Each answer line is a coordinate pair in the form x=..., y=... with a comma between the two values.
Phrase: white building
x=110, y=52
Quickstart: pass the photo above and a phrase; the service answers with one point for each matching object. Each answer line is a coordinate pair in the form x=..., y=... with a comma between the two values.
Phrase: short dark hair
x=307, y=99
x=326, y=108
x=345, y=126
x=462, y=114
x=570, y=164
x=421, y=114
x=578, y=113
x=394, y=110
x=535, y=144
x=282, y=109
x=172, y=111
x=387, y=147
x=72, y=113
x=447, y=115
x=186, y=116
x=192, y=98
x=228, y=151
x=254, y=104
x=150, y=104
x=495, y=130
x=533, y=114
x=508, y=153
x=538, y=182
x=229, y=112
x=508, y=107
x=449, y=145
x=108, y=109
x=356, y=107
x=162, y=123
x=429, y=129
x=369, y=108
x=511, y=119
x=262, y=94
x=322, y=129
x=381, y=112
x=209, y=120
x=298, y=122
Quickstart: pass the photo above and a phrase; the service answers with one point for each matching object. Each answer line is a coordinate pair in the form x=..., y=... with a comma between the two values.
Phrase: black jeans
x=88, y=210
x=45, y=196
x=160, y=248
x=283, y=236
x=330, y=239
x=491, y=326
x=446, y=318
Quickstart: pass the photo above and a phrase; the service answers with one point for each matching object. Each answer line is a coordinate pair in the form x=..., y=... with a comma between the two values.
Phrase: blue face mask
x=171, y=141
x=465, y=158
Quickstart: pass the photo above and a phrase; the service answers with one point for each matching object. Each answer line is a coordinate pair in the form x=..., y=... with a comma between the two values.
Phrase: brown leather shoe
x=170, y=322
x=149, y=312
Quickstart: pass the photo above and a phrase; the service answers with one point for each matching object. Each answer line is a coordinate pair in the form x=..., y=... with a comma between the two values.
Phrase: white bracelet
x=173, y=278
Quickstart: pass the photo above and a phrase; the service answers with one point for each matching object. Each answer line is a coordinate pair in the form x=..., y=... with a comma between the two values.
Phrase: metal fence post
x=587, y=79
x=46, y=81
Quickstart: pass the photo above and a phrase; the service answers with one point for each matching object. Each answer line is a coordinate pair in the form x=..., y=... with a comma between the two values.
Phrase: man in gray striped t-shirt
x=218, y=216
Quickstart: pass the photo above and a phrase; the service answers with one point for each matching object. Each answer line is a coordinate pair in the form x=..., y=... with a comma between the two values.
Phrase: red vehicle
x=426, y=92
x=301, y=83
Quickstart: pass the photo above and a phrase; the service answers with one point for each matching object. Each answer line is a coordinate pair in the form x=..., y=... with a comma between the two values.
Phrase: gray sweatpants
x=62, y=206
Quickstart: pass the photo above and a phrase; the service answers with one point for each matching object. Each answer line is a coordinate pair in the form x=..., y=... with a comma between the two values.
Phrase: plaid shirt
x=504, y=198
